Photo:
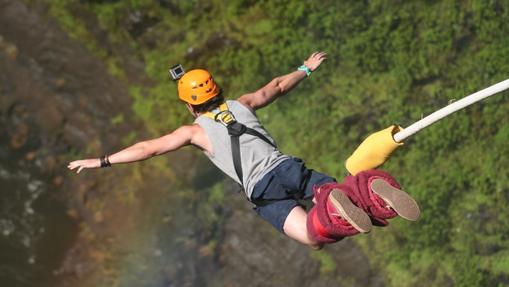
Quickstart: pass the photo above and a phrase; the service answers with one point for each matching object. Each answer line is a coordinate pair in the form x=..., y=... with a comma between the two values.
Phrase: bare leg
x=295, y=228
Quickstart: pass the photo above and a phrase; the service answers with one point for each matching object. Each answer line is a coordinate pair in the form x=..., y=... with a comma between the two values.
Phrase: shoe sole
x=404, y=205
x=351, y=213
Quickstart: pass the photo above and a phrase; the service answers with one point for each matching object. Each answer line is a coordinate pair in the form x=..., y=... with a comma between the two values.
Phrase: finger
x=313, y=55
x=79, y=169
x=74, y=163
x=322, y=54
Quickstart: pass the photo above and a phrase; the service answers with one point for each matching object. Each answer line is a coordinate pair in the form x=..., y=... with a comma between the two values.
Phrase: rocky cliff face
x=146, y=224
x=56, y=99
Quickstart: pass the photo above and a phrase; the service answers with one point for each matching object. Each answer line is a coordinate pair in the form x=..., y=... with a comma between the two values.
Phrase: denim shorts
x=279, y=187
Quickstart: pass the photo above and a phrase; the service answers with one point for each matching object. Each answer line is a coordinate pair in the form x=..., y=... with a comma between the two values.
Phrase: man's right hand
x=84, y=163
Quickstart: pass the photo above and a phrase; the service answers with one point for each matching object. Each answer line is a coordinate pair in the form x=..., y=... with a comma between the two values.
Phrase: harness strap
x=235, y=130
x=297, y=196
x=237, y=164
x=256, y=133
x=222, y=108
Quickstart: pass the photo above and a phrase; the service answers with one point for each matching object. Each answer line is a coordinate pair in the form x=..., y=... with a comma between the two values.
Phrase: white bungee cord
x=447, y=110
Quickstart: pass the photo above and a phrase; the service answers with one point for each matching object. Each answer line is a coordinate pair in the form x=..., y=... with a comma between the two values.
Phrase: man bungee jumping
x=232, y=137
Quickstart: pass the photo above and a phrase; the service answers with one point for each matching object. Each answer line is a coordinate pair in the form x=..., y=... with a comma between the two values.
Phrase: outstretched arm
x=143, y=150
x=281, y=85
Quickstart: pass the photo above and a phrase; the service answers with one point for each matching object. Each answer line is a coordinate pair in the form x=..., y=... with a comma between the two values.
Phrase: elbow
x=145, y=150
x=283, y=89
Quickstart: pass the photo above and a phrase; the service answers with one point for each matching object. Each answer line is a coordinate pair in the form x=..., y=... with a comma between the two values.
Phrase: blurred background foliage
x=388, y=62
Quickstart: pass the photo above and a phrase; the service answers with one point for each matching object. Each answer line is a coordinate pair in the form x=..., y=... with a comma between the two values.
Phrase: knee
x=315, y=246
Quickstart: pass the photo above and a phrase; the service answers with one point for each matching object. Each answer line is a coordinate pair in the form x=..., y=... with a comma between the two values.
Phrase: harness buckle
x=225, y=117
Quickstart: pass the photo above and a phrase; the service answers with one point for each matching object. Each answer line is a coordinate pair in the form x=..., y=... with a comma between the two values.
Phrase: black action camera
x=177, y=71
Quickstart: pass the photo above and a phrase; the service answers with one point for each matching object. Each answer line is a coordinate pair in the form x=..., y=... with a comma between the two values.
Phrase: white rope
x=447, y=110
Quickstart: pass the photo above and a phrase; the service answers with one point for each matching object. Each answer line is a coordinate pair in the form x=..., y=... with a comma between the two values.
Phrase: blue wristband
x=305, y=69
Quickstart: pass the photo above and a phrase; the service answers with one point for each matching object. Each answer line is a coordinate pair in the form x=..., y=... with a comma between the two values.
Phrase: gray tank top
x=257, y=156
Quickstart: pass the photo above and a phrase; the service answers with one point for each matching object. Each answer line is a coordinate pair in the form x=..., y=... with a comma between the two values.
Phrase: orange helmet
x=196, y=87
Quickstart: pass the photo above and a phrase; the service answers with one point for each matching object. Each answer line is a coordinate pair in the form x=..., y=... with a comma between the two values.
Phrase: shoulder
x=241, y=104
x=187, y=131
x=199, y=137
x=193, y=128
x=246, y=100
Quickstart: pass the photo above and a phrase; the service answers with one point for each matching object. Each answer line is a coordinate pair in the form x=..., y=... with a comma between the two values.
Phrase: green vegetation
x=389, y=62
x=327, y=263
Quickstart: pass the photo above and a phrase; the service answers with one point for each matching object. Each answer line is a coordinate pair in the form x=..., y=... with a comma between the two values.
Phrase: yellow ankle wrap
x=373, y=151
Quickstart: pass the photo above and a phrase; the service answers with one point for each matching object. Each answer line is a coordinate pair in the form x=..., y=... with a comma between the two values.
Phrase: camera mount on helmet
x=176, y=72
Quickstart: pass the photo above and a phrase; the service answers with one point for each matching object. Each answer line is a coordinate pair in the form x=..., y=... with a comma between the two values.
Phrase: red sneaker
x=343, y=212
x=402, y=203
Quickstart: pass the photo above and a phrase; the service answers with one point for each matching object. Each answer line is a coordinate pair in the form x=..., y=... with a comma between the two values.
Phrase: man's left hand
x=314, y=61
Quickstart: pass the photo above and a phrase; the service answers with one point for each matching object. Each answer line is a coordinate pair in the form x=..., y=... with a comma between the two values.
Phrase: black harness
x=235, y=130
